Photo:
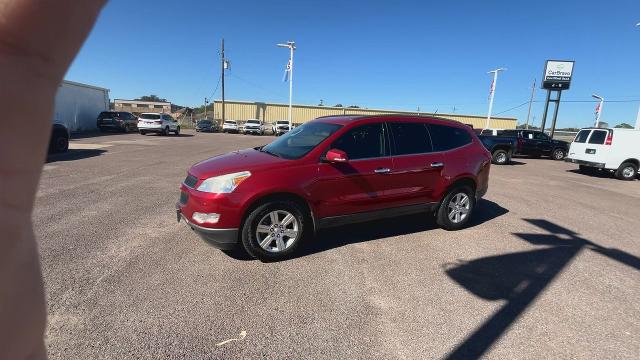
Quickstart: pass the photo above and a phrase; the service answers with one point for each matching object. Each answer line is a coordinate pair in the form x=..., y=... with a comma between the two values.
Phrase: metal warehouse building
x=270, y=112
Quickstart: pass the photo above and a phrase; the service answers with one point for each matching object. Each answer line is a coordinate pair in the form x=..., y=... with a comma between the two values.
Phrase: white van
x=606, y=148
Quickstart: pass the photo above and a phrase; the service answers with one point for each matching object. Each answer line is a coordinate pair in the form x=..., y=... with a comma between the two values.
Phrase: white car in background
x=280, y=127
x=254, y=126
x=610, y=149
x=162, y=124
x=230, y=126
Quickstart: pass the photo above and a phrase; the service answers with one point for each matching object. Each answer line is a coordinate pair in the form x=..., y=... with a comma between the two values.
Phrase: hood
x=251, y=125
x=249, y=159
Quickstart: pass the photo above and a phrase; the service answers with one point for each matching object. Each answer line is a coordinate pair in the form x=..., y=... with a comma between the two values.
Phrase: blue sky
x=378, y=54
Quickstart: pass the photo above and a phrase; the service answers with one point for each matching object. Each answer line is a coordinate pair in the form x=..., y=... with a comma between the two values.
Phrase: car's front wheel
x=177, y=132
x=558, y=154
x=274, y=230
x=500, y=157
x=456, y=208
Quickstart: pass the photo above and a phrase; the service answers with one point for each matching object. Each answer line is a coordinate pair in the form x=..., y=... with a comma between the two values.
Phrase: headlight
x=223, y=184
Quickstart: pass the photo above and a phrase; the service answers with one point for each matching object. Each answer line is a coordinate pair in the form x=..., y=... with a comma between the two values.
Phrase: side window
x=540, y=136
x=582, y=136
x=448, y=137
x=486, y=132
x=363, y=142
x=410, y=138
x=598, y=137
x=527, y=135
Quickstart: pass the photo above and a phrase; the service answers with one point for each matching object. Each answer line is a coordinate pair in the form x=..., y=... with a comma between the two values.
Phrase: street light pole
x=492, y=93
x=599, y=108
x=292, y=46
x=638, y=117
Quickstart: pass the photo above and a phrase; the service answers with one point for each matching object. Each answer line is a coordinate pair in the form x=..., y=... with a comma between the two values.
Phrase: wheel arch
x=279, y=196
x=631, y=160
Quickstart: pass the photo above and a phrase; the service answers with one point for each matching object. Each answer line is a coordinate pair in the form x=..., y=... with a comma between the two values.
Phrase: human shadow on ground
x=519, y=278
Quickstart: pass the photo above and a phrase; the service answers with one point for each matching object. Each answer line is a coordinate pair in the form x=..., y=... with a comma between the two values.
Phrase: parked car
x=207, y=126
x=117, y=120
x=280, y=127
x=501, y=148
x=230, y=126
x=612, y=149
x=162, y=124
x=59, y=141
x=333, y=171
x=536, y=143
x=254, y=126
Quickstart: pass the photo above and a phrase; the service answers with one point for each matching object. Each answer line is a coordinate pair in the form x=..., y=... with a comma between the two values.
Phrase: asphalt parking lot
x=549, y=268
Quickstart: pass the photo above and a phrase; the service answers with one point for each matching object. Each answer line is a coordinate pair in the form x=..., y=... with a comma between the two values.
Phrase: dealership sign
x=557, y=74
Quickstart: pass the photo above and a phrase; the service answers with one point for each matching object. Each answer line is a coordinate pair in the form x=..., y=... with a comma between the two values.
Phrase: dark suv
x=117, y=120
x=333, y=171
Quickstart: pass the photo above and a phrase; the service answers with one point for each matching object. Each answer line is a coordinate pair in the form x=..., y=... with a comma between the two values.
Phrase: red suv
x=333, y=171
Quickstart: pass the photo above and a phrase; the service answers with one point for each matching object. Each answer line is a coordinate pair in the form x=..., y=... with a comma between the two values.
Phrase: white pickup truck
x=254, y=126
x=280, y=127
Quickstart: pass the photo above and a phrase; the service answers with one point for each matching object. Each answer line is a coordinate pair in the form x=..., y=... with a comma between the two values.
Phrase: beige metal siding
x=239, y=110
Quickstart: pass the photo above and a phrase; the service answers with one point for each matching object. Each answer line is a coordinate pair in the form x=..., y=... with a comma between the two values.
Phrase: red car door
x=417, y=169
x=360, y=184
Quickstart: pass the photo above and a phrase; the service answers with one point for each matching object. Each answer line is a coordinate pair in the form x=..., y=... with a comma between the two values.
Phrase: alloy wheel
x=458, y=208
x=277, y=231
x=628, y=172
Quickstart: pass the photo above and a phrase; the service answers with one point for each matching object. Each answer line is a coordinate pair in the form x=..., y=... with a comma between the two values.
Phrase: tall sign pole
x=556, y=78
x=289, y=74
x=223, y=66
x=533, y=92
x=492, y=93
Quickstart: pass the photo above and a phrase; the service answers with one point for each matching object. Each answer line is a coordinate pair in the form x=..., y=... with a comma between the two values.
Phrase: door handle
x=382, y=171
x=437, y=165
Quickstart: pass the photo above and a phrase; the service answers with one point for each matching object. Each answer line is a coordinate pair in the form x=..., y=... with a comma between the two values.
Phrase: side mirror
x=336, y=156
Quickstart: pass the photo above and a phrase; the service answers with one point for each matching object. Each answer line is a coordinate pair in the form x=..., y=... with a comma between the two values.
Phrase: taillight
x=158, y=121
x=609, y=139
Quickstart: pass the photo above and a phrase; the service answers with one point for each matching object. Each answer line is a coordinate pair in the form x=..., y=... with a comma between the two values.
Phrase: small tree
x=624, y=126
x=338, y=105
x=151, y=98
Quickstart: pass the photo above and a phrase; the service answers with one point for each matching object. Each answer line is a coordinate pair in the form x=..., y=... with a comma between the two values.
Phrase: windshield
x=283, y=123
x=253, y=122
x=230, y=122
x=204, y=122
x=300, y=141
x=150, y=116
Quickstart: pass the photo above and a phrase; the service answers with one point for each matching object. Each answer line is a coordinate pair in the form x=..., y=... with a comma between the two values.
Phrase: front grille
x=191, y=181
x=184, y=197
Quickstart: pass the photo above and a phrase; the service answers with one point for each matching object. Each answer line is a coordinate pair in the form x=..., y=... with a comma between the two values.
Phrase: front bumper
x=224, y=239
x=586, y=163
x=252, y=130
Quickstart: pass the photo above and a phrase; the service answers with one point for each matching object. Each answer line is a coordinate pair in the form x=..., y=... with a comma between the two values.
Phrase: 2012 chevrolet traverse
x=333, y=171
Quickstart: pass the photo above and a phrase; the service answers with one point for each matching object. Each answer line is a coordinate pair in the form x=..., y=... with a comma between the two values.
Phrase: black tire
x=558, y=154
x=59, y=142
x=142, y=132
x=126, y=128
x=500, y=157
x=165, y=131
x=442, y=215
x=627, y=171
x=177, y=132
x=249, y=237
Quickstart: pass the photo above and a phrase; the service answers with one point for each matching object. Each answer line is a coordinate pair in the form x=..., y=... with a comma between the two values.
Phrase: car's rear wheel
x=165, y=131
x=627, y=171
x=59, y=142
x=558, y=154
x=142, y=132
x=500, y=157
x=456, y=208
x=177, y=132
x=274, y=230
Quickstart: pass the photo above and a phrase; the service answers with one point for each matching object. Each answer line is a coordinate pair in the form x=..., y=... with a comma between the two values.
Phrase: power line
x=513, y=108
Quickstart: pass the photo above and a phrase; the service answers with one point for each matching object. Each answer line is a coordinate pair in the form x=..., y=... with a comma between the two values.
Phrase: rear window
x=204, y=122
x=230, y=122
x=582, y=136
x=253, y=122
x=410, y=138
x=150, y=116
x=447, y=137
x=283, y=123
x=107, y=115
x=598, y=137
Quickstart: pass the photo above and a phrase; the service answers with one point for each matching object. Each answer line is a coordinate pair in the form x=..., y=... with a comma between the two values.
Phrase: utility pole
x=533, y=92
x=205, y=108
x=492, y=93
x=223, y=65
x=292, y=46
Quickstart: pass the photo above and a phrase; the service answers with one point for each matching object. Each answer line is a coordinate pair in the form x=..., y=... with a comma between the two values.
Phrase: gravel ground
x=549, y=268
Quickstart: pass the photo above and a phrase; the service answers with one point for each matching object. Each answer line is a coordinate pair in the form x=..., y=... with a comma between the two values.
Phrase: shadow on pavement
x=514, y=162
x=597, y=173
x=74, y=154
x=352, y=234
x=519, y=278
